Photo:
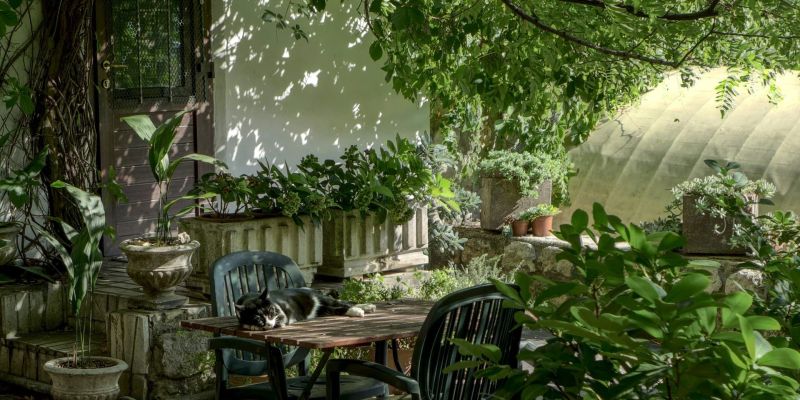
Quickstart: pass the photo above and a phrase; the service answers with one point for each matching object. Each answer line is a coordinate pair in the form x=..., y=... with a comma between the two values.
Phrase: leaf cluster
x=389, y=182
x=540, y=210
x=159, y=144
x=527, y=169
x=638, y=323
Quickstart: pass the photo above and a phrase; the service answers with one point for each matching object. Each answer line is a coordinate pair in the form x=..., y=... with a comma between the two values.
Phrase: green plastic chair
x=474, y=314
x=247, y=272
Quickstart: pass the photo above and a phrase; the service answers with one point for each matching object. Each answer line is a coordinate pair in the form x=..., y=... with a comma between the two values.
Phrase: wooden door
x=152, y=58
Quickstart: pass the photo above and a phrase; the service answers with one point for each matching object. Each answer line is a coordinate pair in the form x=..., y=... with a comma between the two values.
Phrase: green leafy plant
x=669, y=223
x=372, y=289
x=540, y=210
x=305, y=191
x=457, y=204
x=82, y=258
x=638, y=323
x=223, y=194
x=527, y=169
x=159, y=142
x=443, y=281
x=389, y=181
x=17, y=185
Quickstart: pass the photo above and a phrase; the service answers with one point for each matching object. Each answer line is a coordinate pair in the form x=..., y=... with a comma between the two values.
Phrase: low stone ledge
x=165, y=361
x=539, y=255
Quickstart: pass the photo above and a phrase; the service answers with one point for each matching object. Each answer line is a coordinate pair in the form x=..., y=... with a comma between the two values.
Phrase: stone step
x=31, y=308
x=24, y=357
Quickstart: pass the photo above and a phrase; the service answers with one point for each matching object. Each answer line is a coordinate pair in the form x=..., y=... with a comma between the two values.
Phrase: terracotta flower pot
x=88, y=383
x=542, y=226
x=520, y=227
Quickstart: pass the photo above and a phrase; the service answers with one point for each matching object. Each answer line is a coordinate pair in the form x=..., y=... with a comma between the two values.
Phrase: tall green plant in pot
x=162, y=260
x=82, y=375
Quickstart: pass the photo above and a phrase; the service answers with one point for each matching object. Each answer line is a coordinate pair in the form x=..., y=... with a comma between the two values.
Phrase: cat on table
x=281, y=307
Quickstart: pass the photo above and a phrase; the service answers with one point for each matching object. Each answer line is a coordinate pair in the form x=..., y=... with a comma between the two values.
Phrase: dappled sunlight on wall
x=277, y=98
x=630, y=163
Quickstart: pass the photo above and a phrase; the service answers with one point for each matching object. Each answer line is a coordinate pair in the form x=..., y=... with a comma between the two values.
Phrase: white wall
x=279, y=99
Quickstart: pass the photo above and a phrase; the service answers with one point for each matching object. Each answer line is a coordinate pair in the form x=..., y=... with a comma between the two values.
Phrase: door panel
x=152, y=59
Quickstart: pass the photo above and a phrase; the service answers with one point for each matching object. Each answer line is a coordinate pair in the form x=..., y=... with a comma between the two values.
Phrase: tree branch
x=696, y=45
x=534, y=20
x=708, y=12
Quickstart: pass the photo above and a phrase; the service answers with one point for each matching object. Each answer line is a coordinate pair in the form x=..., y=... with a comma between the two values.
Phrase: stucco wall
x=277, y=99
x=630, y=163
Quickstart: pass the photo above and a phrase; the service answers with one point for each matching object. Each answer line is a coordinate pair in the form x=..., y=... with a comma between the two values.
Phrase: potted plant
x=541, y=218
x=514, y=181
x=16, y=187
x=82, y=376
x=273, y=210
x=162, y=260
x=519, y=226
x=713, y=207
x=379, y=222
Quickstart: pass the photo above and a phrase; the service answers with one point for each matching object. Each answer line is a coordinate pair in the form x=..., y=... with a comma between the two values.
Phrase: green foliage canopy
x=540, y=74
x=545, y=72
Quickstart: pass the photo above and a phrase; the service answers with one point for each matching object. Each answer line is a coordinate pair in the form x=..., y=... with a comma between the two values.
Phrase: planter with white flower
x=711, y=207
x=162, y=260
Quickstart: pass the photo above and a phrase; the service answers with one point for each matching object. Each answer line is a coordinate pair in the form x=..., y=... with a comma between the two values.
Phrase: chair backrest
x=246, y=272
x=474, y=314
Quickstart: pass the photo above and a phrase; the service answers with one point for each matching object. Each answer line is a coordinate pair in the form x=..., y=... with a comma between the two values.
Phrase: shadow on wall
x=278, y=99
x=630, y=164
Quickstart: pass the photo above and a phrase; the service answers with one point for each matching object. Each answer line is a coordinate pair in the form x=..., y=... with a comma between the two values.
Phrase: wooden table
x=391, y=320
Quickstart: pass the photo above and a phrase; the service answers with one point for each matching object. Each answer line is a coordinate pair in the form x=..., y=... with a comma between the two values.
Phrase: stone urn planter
x=85, y=383
x=500, y=198
x=355, y=245
x=158, y=269
x=542, y=226
x=706, y=234
x=8, y=235
x=219, y=237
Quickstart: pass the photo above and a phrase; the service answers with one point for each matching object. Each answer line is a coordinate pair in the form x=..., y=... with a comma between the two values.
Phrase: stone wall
x=537, y=255
x=165, y=361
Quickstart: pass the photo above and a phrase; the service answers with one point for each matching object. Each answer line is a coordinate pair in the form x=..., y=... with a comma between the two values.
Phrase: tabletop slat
x=391, y=320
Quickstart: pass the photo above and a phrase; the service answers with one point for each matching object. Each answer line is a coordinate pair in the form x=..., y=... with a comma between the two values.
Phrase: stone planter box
x=706, y=234
x=500, y=198
x=354, y=245
x=279, y=234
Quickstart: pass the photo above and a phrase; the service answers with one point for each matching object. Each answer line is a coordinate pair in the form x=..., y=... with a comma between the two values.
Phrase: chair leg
x=333, y=385
x=219, y=370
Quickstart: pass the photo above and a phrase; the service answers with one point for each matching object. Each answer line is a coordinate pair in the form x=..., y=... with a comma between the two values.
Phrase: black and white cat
x=277, y=308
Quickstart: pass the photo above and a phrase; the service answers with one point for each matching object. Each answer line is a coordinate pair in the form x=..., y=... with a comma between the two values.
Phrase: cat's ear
x=264, y=295
x=239, y=308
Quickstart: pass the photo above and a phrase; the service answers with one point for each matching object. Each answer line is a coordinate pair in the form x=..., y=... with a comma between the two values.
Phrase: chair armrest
x=370, y=370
